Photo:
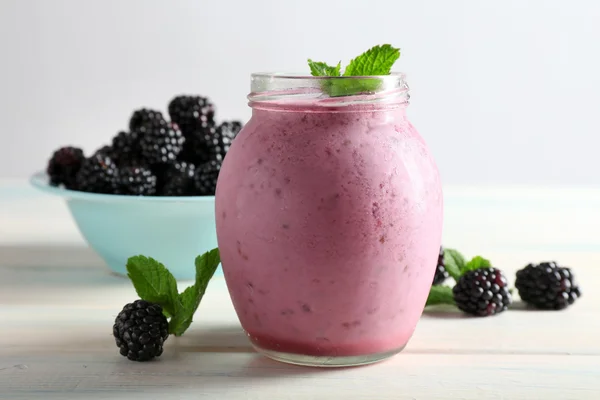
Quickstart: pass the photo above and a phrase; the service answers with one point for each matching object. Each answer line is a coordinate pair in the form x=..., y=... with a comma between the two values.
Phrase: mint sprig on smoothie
x=377, y=61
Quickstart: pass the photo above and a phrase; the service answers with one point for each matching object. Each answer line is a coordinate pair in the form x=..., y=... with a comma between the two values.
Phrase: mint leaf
x=189, y=300
x=153, y=282
x=440, y=295
x=206, y=265
x=377, y=60
x=476, y=263
x=318, y=68
x=454, y=263
x=347, y=87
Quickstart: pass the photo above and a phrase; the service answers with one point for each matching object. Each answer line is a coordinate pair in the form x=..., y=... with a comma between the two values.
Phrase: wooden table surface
x=58, y=303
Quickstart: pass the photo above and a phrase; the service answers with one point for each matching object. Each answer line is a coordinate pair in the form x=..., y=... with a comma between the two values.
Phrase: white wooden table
x=58, y=303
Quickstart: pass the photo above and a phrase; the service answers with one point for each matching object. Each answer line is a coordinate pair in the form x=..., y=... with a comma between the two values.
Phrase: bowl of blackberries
x=150, y=190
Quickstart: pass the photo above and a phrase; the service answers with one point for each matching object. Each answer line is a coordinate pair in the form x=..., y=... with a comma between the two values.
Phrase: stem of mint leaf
x=376, y=61
x=206, y=265
x=154, y=283
x=440, y=295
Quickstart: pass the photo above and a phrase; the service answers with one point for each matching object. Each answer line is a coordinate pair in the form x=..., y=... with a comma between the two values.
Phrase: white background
x=503, y=91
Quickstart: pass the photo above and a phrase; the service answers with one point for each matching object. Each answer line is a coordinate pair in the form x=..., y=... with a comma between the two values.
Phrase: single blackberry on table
x=98, y=174
x=145, y=116
x=178, y=179
x=440, y=270
x=140, y=330
x=547, y=286
x=160, y=143
x=205, y=178
x=137, y=181
x=191, y=113
x=482, y=292
x=63, y=166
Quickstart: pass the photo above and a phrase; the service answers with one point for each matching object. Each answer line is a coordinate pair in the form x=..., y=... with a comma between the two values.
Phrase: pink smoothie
x=329, y=226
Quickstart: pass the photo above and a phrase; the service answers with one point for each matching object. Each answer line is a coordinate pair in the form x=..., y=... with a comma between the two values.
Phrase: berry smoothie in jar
x=329, y=218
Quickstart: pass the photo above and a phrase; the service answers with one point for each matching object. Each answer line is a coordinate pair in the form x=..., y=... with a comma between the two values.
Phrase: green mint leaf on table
x=190, y=299
x=153, y=282
x=318, y=68
x=440, y=295
x=476, y=263
x=454, y=263
x=376, y=61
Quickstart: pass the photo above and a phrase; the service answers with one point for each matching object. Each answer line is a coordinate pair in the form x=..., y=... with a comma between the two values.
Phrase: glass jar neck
x=328, y=94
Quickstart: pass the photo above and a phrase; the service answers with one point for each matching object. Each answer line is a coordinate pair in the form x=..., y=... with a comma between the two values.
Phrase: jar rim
x=328, y=91
x=297, y=76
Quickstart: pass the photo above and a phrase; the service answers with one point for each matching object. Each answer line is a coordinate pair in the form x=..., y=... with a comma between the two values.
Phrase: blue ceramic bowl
x=172, y=230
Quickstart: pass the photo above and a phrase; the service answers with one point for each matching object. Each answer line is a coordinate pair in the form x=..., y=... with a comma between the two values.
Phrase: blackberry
x=160, y=143
x=210, y=143
x=106, y=151
x=482, y=292
x=162, y=170
x=98, y=174
x=547, y=286
x=145, y=116
x=126, y=144
x=205, y=178
x=201, y=146
x=140, y=330
x=137, y=181
x=126, y=150
x=191, y=113
x=226, y=132
x=178, y=180
x=133, y=161
x=440, y=270
x=64, y=165
x=178, y=185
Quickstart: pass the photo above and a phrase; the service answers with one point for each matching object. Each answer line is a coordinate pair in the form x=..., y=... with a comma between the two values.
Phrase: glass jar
x=329, y=220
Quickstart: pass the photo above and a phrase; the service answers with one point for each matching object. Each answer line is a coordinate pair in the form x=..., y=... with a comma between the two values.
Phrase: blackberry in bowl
x=138, y=195
x=172, y=229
